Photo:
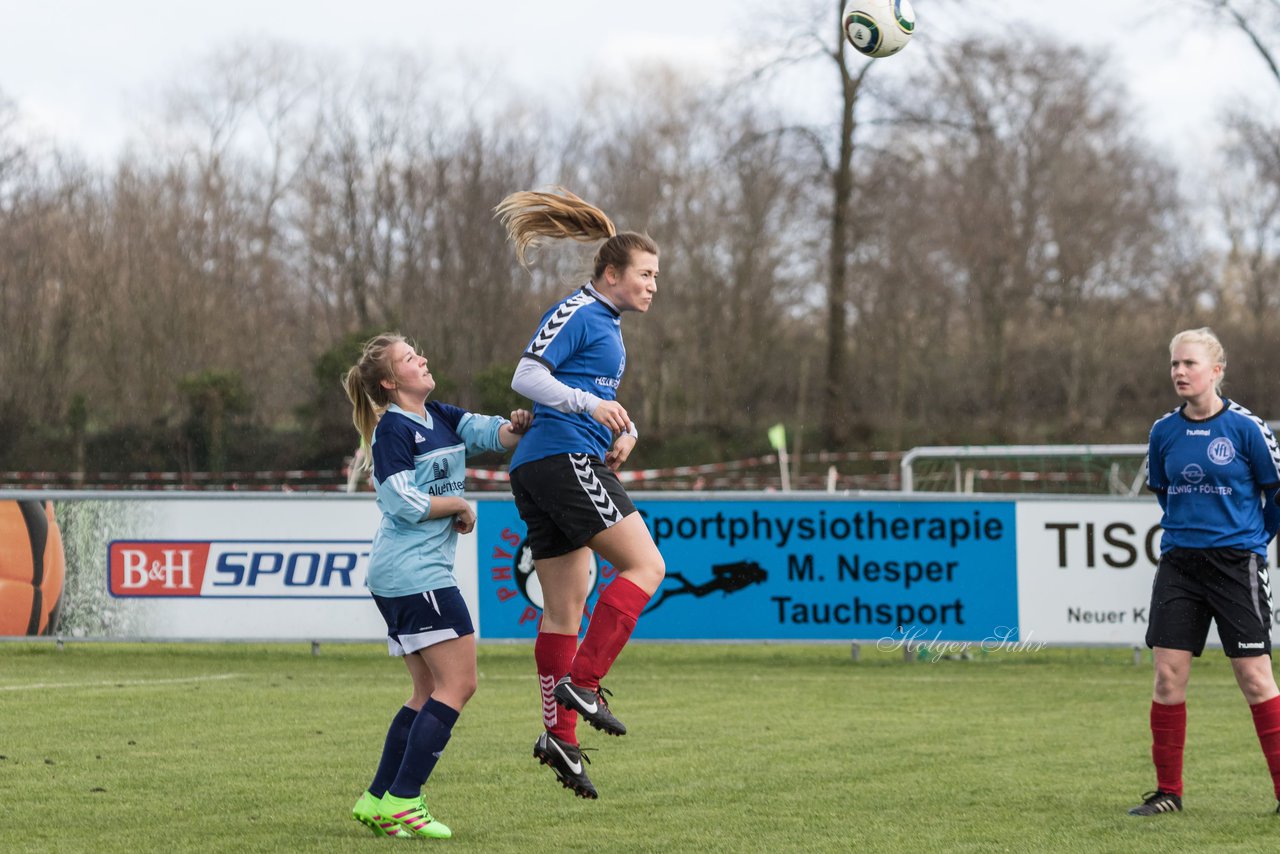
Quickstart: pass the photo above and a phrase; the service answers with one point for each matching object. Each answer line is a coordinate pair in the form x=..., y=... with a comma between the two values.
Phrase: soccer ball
x=878, y=28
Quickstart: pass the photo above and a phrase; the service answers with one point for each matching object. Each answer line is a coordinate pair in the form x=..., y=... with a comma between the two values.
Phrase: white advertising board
x=1085, y=570
x=235, y=568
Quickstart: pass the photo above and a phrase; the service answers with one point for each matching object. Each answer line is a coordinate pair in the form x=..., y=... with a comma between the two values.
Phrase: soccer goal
x=1063, y=469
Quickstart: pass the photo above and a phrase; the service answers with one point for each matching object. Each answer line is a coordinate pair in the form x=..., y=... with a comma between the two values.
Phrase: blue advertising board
x=755, y=569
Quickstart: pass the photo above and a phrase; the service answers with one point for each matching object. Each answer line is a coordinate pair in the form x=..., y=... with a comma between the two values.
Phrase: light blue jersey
x=580, y=342
x=1211, y=477
x=414, y=461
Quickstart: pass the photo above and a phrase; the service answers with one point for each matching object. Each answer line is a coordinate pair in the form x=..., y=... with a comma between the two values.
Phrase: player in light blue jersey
x=419, y=453
x=563, y=475
x=1215, y=468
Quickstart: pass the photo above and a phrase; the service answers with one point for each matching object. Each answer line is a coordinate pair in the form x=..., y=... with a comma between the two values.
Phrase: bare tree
x=1249, y=198
x=1259, y=21
x=1056, y=217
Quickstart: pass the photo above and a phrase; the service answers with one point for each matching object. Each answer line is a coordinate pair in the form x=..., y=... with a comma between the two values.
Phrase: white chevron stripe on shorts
x=595, y=490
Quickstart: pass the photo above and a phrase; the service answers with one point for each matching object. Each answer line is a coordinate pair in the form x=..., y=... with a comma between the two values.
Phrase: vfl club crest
x=1221, y=451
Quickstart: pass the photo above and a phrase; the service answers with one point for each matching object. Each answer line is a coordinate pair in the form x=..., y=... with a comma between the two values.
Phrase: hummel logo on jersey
x=1191, y=432
x=575, y=767
x=418, y=437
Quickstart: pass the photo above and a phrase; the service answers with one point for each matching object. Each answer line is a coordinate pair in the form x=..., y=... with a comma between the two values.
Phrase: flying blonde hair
x=557, y=213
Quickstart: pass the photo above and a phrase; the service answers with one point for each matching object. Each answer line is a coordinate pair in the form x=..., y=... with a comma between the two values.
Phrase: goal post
x=1076, y=469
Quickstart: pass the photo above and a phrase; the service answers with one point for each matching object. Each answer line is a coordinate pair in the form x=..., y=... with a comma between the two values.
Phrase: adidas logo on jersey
x=418, y=437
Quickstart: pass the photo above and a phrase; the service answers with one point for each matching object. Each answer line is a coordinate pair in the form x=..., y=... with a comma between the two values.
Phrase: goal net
x=1060, y=469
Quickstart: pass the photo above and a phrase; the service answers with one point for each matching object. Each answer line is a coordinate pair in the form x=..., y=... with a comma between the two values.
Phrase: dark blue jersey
x=1211, y=476
x=580, y=342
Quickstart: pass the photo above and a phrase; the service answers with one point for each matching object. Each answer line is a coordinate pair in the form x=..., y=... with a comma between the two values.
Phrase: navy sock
x=392, y=751
x=427, y=739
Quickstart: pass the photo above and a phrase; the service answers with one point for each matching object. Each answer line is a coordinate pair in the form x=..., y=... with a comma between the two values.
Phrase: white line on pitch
x=117, y=683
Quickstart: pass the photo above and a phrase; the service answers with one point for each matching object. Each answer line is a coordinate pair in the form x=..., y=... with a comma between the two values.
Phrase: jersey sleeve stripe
x=404, y=486
x=1268, y=437
x=556, y=322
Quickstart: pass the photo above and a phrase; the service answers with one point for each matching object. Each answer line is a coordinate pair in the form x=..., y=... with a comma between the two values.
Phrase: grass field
x=160, y=747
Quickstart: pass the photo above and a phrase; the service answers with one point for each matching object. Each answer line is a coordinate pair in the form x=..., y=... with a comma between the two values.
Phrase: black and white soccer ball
x=879, y=28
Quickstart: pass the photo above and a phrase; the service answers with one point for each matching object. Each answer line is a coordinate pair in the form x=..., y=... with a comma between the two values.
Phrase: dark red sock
x=614, y=617
x=1266, y=720
x=1168, y=738
x=554, y=656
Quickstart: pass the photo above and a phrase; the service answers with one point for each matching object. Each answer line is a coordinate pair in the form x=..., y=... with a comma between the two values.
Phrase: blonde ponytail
x=363, y=385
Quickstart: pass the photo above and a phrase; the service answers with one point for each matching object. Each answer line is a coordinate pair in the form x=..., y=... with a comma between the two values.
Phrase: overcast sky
x=81, y=71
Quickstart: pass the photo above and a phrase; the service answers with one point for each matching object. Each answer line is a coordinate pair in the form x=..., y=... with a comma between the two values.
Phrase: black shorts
x=420, y=620
x=1229, y=586
x=567, y=499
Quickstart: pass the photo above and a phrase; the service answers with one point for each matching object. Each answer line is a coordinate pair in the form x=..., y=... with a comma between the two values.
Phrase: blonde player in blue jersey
x=1215, y=469
x=419, y=452
x=563, y=475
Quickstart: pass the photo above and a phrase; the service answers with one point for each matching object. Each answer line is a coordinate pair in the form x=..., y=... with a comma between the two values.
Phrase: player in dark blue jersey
x=419, y=451
x=1215, y=468
x=563, y=475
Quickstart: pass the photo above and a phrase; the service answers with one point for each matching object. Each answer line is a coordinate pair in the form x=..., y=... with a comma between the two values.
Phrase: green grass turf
x=167, y=747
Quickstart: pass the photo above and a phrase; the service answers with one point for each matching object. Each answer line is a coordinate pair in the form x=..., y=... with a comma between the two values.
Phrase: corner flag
x=778, y=437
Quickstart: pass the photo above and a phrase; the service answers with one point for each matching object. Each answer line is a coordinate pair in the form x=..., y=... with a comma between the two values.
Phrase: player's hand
x=611, y=414
x=521, y=420
x=464, y=521
x=620, y=451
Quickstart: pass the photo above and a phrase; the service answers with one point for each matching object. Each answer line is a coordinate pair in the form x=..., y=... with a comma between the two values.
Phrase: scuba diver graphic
x=726, y=578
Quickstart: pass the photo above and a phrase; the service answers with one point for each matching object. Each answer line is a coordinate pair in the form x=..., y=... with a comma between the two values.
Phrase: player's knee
x=467, y=689
x=1257, y=684
x=659, y=569
x=650, y=573
x=458, y=692
x=563, y=615
x=1170, y=686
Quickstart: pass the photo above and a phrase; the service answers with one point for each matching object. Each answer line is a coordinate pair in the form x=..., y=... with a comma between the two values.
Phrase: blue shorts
x=421, y=620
